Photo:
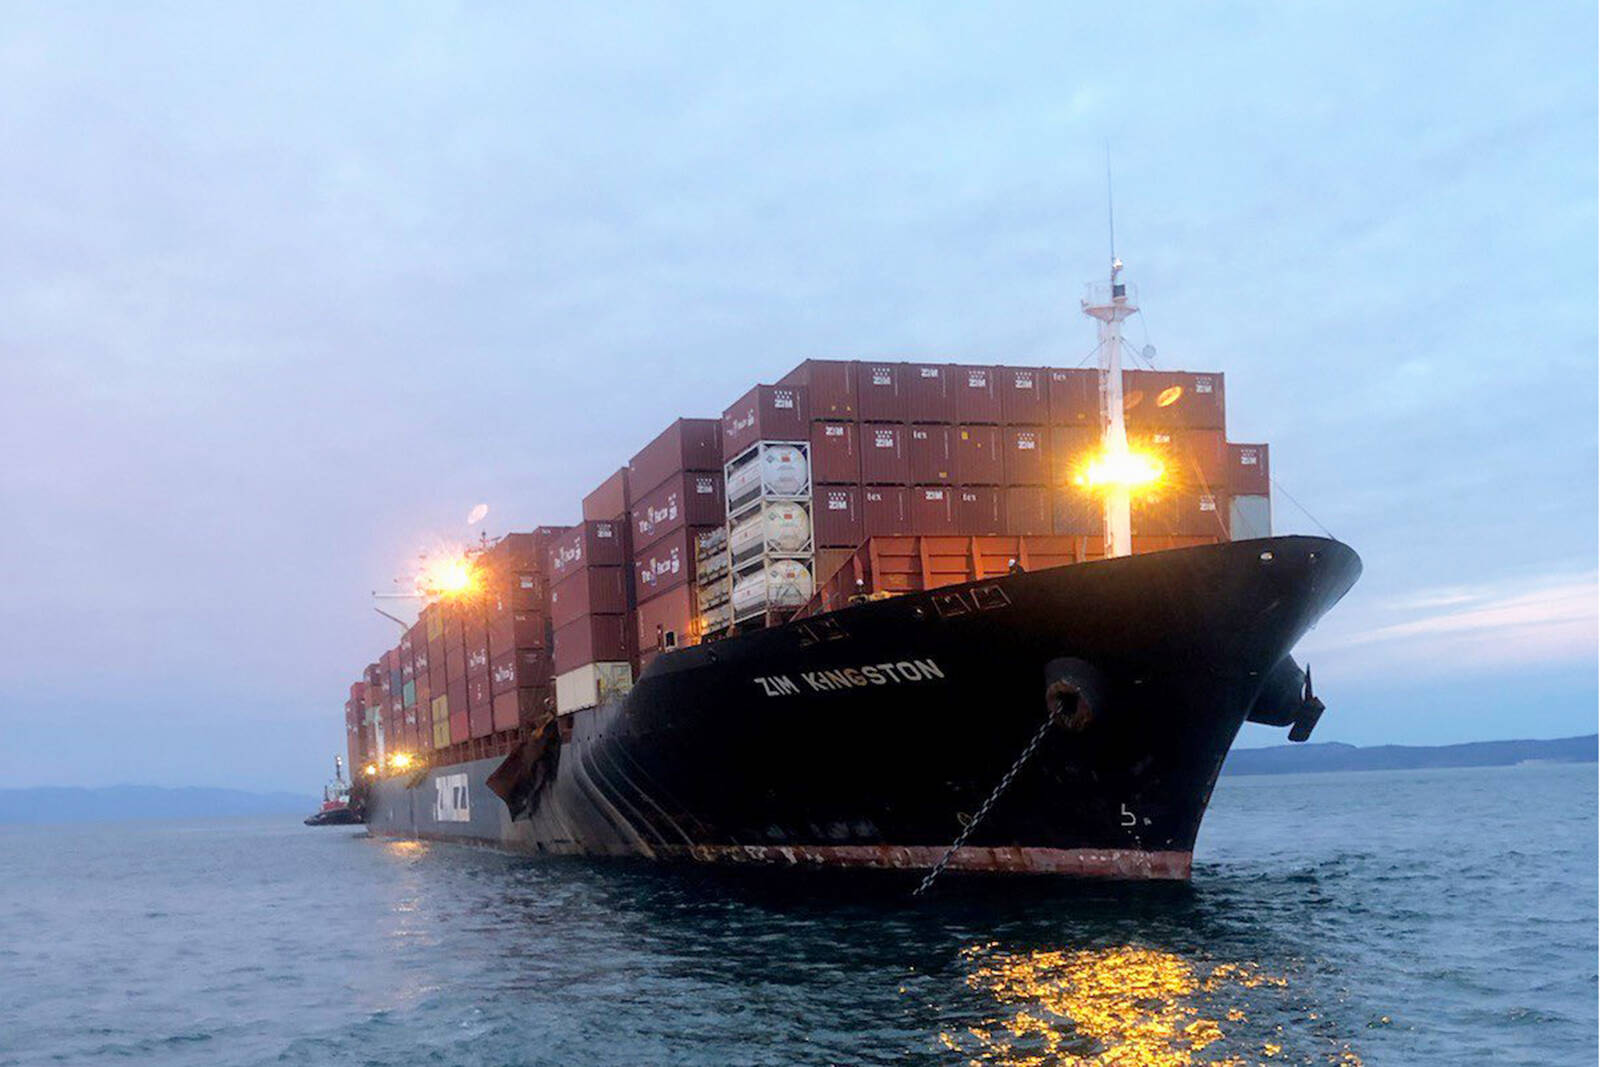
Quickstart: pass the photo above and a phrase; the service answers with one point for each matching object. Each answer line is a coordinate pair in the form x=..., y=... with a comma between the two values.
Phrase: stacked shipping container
x=589, y=607
x=677, y=496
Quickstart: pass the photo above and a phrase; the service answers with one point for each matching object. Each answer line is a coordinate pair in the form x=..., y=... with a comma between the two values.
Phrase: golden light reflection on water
x=1112, y=1007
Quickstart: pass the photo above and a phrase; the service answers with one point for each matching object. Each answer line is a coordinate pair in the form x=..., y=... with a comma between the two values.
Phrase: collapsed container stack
x=842, y=478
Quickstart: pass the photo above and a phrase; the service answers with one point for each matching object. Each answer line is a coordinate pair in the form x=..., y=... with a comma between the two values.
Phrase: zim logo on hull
x=914, y=670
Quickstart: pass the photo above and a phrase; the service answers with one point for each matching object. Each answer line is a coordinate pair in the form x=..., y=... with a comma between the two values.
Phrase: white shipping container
x=591, y=685
x=782, y=583
x=1250, y=517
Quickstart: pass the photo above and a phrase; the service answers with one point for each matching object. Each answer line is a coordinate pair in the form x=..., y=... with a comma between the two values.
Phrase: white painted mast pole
x=1110, y=308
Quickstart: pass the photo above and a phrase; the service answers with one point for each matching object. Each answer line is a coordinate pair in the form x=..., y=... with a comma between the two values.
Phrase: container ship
x=877, y=614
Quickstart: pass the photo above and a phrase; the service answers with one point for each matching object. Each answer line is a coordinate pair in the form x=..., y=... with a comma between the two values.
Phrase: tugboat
x=337, y=808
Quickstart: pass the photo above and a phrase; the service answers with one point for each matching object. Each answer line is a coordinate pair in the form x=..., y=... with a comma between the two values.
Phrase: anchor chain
x=983, y=810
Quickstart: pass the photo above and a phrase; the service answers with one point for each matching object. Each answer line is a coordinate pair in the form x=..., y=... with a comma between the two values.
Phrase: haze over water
x=1384, y=917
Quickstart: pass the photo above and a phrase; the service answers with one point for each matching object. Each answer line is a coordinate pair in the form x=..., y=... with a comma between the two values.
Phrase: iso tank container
x=667, y=564
x=835, y=452
x=684, y=499
x=836, y=516
x=1175, y=399
x=928, y=454
x=1024, y=395
x=687, y=445
x=881, y=391
x=977, y=455
x=778, y=526
x=589, y=544
x=591, y=591
x=1248, y=471
x=773, y=470
x=883, y=454
x=830, y=386
x=765, y=413
x=780, y=583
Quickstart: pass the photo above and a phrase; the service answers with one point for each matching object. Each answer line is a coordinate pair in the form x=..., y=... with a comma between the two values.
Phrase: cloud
x=1548, y=619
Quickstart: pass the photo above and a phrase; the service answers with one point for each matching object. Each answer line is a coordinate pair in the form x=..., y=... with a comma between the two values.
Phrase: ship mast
x=1110, y=302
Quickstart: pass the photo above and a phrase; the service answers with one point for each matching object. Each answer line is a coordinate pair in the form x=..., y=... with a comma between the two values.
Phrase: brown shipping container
x=436, y=663
x=519, y=629
x=1070, y=450
x=978, y=510
x=765, y=413
x=976, y=399
x=929, y=397
x=666, y=622
x=1074, y=511
x=881, y=389
x=883, y=454
x=1027, y=511
x=830, y=386
x=1074, y=397
x=884, y=511
x=1193, y=459
x=589, y=544
x=1179, y=399
x=835, y=452
x=591, y=639
x=520, y=551
x=977, y=455
x=523, y=707
x=836, y=521
x=1024, y=395
x=666, y=564
x=609, y=500
x=928, y=454
x=828, y=562
x=480, y=717
x=455, y=661
x=520, y=669
x=686, y=445
x=685, y=499
x=477, y=643
x=591, y=591
x=1181, y=513
x=459, y=730
x=1248, y=471
x=1026, y=461
x=933, y=510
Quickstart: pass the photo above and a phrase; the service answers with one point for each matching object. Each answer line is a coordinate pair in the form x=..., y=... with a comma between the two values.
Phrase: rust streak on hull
x=1121, y=863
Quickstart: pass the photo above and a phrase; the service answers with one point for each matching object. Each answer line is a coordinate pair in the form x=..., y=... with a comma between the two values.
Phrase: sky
x=288, y=289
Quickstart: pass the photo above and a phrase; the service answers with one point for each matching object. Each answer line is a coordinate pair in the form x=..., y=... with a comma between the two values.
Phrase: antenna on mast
x=1111, y=215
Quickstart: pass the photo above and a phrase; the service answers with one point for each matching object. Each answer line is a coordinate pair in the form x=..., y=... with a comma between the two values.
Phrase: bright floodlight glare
x=1131, y=469
x=446, y=577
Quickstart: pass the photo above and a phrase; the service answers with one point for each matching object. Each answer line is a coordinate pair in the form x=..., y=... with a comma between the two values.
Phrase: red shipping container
x=1071, y=448
x=882, y=391
x=591, y=639
x=1179, y=399
x=830, y=386
x=883, y=454
x=978, y=510
x=932, y=510
x=684, y=499
x=1028, y=511
x=976, y=399
x=519, y=551
x=835, y=455
x=836, y=517
x=589, y=544
x=765, y=413
x=1248, y=471
x=666, y=622
x=518, y=629
x=928, y=454
x=520, y=669
x=977, y=455
x=1024, y=395
x=885, y=511
x=480, y=717
x=591, y=591
x=1026, y=461
x=419, y=660
x=1077, y=512
x=522, y=707
x=476, y=636
x=929, y=397
x=666, y=564
x=455, y=662
x=686, y=445
x=459, y=731
x=456, y=693
x=608, y=500
x=1074, y=397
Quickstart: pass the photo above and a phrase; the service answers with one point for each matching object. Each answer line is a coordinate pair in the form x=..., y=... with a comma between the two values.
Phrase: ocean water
x=1383, y=918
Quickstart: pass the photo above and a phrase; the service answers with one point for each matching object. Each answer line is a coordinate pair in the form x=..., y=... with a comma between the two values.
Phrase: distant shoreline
x=1334, y=756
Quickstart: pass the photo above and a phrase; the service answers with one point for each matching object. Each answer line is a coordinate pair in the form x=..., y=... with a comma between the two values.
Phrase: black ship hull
x=870, y=736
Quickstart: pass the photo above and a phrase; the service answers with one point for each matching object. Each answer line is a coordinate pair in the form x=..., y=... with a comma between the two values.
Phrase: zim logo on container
x=905, y=671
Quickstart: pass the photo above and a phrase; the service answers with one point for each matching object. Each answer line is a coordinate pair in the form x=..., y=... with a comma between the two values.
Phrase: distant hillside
x=70, y=804
x=1299, y=759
